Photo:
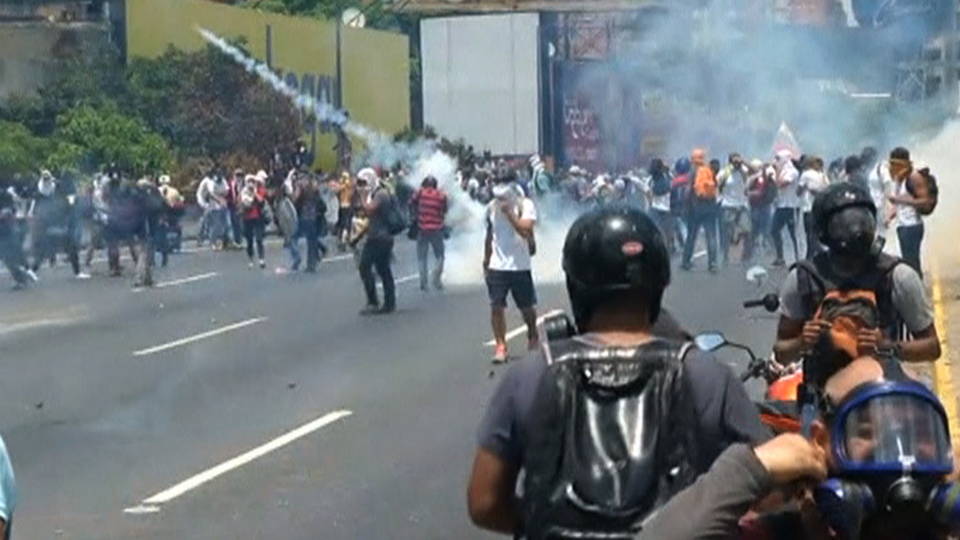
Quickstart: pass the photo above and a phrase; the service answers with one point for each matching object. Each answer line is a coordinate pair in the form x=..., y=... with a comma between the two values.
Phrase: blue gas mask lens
x=891, y=427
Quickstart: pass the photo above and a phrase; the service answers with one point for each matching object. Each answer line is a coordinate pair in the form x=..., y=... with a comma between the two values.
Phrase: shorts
x=519, y=283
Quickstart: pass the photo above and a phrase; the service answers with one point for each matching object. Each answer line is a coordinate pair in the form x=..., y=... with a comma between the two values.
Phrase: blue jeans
x=705, y=215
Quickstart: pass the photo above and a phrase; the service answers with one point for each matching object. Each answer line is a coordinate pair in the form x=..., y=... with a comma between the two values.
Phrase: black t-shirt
x=379, y=229
x=725, y=413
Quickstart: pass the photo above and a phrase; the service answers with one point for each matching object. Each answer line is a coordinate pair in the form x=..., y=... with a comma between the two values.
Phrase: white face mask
x=504, y=192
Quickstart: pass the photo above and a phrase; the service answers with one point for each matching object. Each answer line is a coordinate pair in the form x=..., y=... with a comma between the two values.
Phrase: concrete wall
x=374, y=64
x=481, y=80
x=30, y=51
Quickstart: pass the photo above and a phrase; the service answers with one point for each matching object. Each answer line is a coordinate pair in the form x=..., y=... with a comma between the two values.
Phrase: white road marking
x=37, y=323
x=198, y=337
x=191, y=279
x=337, y=258
x=699, y=254
x=522, y=329
x=150, y=504
x=398, y=281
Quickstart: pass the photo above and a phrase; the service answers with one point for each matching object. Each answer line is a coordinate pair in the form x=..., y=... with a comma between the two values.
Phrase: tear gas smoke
x=726, y=78
x=939, y=153
x=421, y=157
x=381, y=148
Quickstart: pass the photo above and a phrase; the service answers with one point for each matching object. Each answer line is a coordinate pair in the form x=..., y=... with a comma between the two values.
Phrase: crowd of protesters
x=754, y=206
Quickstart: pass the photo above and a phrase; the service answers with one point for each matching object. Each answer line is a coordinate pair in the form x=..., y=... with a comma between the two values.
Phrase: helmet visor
x=894, y=432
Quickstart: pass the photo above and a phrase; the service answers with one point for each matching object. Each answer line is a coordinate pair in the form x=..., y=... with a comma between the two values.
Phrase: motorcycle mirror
x=757, y=274
x=771, y=302
x=709, y=341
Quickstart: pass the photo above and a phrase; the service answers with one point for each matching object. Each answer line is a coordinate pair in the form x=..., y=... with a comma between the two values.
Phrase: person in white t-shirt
x=812, y=182
x=508, y=249
x=734, y=210
x=879, y=183
x=788, y=202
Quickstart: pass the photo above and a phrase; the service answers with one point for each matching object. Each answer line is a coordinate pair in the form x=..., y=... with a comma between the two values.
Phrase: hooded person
x=382, y=210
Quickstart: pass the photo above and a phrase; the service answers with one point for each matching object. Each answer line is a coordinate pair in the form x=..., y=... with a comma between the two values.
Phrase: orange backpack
x=705, y=184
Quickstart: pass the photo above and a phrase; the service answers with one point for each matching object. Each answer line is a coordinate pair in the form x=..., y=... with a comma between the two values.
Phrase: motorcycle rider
x=884, y=442
x=617, y=269
x=845, y=217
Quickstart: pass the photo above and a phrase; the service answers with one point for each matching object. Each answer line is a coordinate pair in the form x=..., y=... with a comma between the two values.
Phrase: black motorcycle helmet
x=609, y=251
x=836, y=199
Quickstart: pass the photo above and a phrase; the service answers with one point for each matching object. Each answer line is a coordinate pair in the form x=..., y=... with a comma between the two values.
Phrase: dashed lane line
x=522, y=329
x=198, y=337
x=152, y=504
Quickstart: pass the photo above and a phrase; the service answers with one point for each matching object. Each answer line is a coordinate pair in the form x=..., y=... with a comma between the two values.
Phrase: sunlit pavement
x=239, y=403
x=944, y=282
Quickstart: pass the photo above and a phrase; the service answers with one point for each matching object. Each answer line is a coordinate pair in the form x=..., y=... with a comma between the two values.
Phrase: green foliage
x=20, y=150
x=107, y=136
x=145, y=116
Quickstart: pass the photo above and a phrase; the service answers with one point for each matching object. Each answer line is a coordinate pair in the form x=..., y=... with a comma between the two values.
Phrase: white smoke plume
x=380, y=147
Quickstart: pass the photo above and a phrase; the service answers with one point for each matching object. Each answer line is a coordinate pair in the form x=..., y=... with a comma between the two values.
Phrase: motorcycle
x=779, y=408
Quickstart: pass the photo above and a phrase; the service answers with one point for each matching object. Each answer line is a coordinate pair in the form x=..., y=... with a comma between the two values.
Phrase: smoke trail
x=381, y=148
x=422, y=158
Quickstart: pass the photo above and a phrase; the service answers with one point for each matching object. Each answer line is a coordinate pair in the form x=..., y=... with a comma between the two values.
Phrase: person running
x=253, y=205
x=11, y=249
x=55, y=223
x=377, y=251
x=429, y=204
x=761, y=193
x=787, y=205
x=307, y=200
x=704, y=211
x=734, y=209
x=911, y=193
x=508, y=248
x=879, y=183
x=345, y=195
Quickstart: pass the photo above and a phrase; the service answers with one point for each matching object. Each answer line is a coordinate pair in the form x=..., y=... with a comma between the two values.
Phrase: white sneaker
x=82, y=275
x=250, y=264
x=32, y=275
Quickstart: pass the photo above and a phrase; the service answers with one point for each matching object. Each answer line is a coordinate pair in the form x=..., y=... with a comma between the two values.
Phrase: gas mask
x=891, y=449
x=851, y=238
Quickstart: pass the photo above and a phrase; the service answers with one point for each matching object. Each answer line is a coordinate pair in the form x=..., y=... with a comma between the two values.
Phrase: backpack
x=865, y=301
x=933, y=191
x=768, y=193
x=704, y=184
x=660, y=185
x=393, y=217
x=680, y=194
x=594, y=483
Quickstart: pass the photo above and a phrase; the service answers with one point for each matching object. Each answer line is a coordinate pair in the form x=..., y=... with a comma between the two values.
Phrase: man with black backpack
x=915, y=195
x=608, y=424
x=853, y=300
x=385, y=222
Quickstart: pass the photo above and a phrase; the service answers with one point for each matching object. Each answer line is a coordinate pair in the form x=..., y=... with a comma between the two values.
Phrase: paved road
x=98, y=419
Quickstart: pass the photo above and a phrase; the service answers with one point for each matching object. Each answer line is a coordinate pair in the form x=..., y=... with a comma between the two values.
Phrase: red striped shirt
x=431, y=207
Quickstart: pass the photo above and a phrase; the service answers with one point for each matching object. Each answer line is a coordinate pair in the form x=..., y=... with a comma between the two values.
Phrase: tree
x=20, y=150
x=107, y=136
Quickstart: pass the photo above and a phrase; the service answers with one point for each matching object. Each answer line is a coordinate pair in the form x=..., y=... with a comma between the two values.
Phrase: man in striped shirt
x=430, y=205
